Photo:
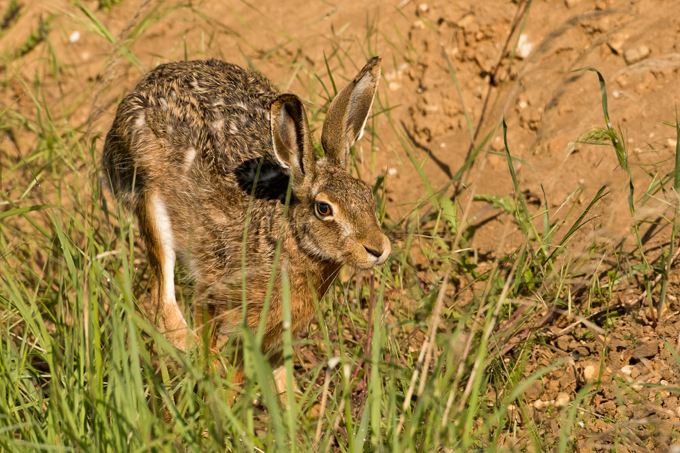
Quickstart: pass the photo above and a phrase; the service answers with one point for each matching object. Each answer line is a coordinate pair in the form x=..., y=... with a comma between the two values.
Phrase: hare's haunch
x=185, y=151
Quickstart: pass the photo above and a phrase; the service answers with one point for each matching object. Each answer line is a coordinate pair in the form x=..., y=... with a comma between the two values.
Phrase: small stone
x=539, y=404
x=589, y=372
x=632, y=56
x=419, y=25
x=646, y=350
x=628, y=369
x=524, y=47
x=635, y=372
x=672, y=143
x=75, y=36
x=616, y=43
x=394, y=86
x=423, y=8
x=562, y=399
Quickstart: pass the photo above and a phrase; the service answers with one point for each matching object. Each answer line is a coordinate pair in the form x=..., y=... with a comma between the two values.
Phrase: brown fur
x=182, y=155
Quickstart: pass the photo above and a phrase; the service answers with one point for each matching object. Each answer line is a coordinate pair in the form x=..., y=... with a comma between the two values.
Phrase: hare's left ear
x=291, y=142
x=347, y=115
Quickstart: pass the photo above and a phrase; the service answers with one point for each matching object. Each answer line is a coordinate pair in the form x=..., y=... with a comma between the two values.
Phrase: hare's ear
x=347, y=115
x=290, y=137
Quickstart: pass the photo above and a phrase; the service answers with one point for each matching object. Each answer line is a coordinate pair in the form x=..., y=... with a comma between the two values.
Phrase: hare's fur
x=183, y=154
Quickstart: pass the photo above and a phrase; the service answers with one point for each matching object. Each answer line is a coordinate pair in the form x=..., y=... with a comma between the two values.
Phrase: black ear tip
x=372, y=66
x=373, y=62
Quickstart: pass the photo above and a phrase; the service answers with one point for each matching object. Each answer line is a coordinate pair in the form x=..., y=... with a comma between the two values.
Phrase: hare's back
x=210, y=115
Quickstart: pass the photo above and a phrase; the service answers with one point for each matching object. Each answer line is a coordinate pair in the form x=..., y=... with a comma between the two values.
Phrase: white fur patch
x=164, y=227
x=141, y=120
x=164, y=104
x=218, y=125
x=189, y=157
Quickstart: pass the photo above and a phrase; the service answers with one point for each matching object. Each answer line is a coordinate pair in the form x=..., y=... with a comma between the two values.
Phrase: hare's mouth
x=374, y=256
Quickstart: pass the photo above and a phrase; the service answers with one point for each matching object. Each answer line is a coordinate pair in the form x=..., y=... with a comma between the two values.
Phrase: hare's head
x=333, y=213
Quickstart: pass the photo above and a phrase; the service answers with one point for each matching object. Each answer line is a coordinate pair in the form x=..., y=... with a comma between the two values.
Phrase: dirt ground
x=635, y=44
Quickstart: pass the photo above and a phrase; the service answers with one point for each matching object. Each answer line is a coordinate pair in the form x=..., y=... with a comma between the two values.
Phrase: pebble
x=589, y=372
x=562, y=399
x=632, y=56
x=539, y=404
x=75, y=36
x=616, y=42
x=524, y=47
x=672, y=142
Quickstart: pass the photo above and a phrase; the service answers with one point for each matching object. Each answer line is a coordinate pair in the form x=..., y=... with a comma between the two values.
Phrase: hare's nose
x=377, y=254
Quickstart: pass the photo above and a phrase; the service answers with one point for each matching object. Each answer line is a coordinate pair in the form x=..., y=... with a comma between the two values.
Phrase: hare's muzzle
x=377, y=251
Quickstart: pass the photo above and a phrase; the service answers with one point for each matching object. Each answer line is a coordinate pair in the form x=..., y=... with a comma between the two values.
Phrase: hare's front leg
x=156, y=230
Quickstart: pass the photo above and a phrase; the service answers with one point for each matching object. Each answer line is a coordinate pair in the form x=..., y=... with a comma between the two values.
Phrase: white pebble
x=562, y=399
x=75, y=36
x=524, y=46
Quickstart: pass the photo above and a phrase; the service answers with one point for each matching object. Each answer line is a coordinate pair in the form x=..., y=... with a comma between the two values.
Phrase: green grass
x=408, y=357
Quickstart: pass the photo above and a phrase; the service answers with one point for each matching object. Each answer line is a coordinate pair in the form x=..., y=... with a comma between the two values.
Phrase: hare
x=201, y=149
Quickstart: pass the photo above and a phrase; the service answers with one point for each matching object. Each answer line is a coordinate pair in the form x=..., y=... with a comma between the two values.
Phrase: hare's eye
x=323, y=209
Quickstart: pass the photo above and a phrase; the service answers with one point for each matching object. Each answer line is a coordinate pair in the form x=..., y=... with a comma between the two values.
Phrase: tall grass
x=400, y=359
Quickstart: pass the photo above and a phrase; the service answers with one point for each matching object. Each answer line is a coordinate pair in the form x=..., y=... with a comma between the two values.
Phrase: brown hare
x=200, y=149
